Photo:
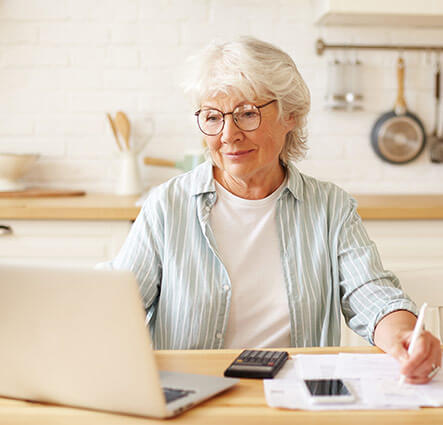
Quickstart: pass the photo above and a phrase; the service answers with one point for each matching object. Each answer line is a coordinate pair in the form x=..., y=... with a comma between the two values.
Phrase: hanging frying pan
x=398, y=136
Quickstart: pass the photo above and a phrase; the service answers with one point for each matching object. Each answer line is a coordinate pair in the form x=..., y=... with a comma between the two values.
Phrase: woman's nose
x=230, y=133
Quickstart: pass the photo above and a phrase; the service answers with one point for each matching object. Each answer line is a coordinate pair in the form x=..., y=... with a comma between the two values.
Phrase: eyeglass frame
x=230, y=113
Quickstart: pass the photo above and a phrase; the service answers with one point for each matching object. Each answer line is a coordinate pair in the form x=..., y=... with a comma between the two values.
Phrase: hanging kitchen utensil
x=436, y=139
x=335, y=90
x=353, y=89
x=123, y=126
x=398, y=136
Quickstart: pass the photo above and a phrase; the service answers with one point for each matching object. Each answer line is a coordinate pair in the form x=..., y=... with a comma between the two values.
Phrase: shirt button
x=208, y=209
x=219, y=335
x=211, y=196
x=226, y=288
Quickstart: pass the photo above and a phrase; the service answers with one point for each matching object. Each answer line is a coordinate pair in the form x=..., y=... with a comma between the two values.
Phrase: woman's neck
x=250, y=188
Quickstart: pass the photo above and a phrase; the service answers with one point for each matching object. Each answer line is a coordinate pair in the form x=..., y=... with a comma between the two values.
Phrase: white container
x=129, y=181
x=12, y=169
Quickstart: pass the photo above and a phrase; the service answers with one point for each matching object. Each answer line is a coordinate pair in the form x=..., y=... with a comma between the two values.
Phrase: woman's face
x=248, y=155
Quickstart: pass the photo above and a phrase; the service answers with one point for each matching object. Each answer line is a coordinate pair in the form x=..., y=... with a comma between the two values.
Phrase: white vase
x=130, y=181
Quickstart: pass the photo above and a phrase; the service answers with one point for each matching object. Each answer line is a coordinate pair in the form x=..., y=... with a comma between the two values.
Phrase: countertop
x=244, y=404
x=99, y=206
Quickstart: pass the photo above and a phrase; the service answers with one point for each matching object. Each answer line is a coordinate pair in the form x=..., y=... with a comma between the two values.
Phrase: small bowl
x=12, y=168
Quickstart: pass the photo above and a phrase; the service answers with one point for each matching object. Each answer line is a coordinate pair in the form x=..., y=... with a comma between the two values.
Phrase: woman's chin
x=236, y=169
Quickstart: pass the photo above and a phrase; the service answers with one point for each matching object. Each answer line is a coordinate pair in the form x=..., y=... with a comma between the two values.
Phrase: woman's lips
x=238, y=154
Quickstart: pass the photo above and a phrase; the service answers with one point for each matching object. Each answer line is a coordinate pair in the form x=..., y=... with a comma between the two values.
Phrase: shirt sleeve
x=141, y=253
x=368, y=292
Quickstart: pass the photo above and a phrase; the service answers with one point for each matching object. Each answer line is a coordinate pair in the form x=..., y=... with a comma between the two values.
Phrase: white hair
x=256, y=70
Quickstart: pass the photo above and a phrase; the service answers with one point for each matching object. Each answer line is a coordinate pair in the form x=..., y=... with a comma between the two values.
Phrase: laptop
x=77, y=337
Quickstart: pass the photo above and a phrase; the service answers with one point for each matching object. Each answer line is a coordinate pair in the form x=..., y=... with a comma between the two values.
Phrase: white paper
x=317, y=366
x=289, y=394
x=388, y=393
x=289, y=370
x=386, y=369
x=433, y=392
x=373, y=379
x=359, y=366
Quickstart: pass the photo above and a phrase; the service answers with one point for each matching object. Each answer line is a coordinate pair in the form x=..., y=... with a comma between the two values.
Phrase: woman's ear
x=290, y=121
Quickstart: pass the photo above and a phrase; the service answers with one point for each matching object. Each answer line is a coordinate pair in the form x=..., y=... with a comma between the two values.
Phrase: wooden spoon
x=114, y=130
x=123, y=126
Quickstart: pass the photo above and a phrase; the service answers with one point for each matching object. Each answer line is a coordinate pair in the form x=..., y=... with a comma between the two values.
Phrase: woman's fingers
x=420, y=366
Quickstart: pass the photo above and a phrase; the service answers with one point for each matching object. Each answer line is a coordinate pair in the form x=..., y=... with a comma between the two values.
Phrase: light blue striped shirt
x=328, y=262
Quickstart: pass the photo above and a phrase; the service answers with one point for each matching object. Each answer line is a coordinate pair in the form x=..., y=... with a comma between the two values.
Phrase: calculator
x=258, y=364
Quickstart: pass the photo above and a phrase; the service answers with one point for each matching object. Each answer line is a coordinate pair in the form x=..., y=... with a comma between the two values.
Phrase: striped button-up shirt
x=329, y=264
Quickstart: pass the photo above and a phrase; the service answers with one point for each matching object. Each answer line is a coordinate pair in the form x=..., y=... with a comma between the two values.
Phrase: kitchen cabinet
x=413, y=250
x=67, y=231
x=73, y=243
x=424, y=13
x=408, y=244
x=83, y=231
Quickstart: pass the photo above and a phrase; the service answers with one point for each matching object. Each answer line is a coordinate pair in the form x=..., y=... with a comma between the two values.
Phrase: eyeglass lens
x=246, y=117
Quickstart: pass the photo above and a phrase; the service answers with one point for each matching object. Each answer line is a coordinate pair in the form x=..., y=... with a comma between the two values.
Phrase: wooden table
x=243, y=405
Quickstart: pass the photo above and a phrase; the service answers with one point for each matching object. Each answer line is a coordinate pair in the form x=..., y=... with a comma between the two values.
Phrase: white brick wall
x=65, y=63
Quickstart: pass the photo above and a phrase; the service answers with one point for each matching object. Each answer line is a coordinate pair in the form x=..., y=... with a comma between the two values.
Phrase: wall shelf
x=423, y=13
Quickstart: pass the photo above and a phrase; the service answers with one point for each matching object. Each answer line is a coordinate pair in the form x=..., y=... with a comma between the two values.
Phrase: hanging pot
x=398, y=136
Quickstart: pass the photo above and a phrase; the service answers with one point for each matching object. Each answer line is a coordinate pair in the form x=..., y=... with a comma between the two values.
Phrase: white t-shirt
x=247, y=240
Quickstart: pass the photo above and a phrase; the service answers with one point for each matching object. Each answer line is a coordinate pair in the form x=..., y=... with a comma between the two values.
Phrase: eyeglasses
x=246, y=117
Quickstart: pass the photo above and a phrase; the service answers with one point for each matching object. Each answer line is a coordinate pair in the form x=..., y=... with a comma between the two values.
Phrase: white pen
x=415, y=334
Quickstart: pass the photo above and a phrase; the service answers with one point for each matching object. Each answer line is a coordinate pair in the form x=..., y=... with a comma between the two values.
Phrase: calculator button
x=256, y=364
x=261, y=354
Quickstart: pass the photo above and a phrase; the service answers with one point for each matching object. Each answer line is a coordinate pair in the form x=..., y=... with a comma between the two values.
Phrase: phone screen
x=327, y=387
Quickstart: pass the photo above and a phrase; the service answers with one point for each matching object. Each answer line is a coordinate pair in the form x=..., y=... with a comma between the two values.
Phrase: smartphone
x=328, y=391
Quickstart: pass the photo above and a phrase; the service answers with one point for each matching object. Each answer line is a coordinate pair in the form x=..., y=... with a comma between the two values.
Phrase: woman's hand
x=418, y=367
x=393, y=335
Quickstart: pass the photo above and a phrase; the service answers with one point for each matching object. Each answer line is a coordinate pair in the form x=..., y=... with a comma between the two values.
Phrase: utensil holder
x=130, y=181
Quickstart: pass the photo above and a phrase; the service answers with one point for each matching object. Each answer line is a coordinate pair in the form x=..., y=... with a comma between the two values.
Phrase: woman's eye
x=248, y=115
x=212, y=117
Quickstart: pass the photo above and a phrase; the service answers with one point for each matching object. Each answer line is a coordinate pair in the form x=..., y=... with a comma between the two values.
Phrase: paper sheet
x=286, y=391
x=373, y=378
x=317, y=366
x=367, y=366
x=381, y=374
x=433, y=392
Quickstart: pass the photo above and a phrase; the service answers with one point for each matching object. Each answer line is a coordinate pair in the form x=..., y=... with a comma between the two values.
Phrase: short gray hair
x=256, y=70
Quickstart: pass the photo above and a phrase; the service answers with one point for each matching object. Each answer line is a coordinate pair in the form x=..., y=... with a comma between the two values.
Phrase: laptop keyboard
x=172, y=394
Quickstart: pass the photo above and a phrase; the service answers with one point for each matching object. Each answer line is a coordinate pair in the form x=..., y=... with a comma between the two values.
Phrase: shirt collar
x=203, y=180
x=295, y=181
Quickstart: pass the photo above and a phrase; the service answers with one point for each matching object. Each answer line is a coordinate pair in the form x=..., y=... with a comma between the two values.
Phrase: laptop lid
x=78, y=338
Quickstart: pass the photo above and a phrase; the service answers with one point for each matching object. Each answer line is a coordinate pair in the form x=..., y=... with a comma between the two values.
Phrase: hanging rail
x=321, y=46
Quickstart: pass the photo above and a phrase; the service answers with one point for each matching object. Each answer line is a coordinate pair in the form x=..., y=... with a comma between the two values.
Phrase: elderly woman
x=244, y=250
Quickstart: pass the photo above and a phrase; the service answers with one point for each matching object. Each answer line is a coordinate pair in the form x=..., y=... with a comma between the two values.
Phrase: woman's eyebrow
x=243, y=102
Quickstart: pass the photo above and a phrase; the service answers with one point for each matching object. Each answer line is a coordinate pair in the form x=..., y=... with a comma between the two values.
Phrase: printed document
x=373, y=378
